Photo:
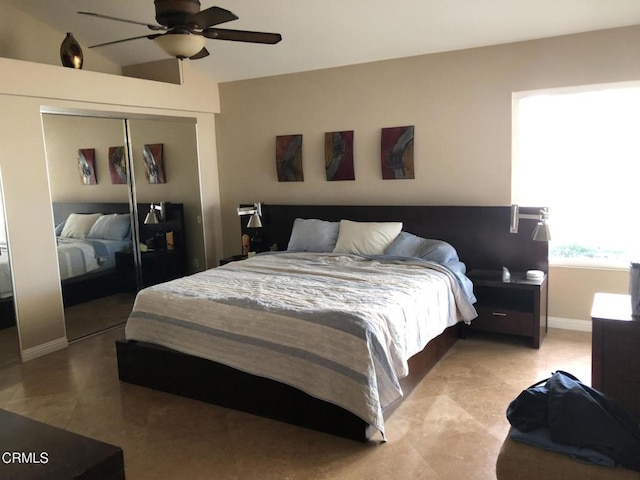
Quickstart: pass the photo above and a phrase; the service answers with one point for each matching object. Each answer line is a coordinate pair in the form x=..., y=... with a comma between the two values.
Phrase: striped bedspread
x=339, y=327
x=76, y=257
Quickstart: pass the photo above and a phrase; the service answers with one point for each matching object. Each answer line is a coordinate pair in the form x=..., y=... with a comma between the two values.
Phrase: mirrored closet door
x=9, y=341
x=89, y=182
x=127, y=209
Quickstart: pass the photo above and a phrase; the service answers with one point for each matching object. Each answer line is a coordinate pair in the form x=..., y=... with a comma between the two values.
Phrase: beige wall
x=460, y=103
x=64, y=136
x=25, y=38
x=23, y=95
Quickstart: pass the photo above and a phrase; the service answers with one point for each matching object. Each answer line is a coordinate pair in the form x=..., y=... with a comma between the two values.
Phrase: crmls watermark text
x=25, y=457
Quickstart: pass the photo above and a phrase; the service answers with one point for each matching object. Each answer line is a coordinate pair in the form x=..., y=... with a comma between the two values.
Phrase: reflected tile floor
x=450, y=427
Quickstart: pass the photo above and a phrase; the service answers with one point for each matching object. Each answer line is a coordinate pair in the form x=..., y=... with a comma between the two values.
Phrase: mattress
x=338, y=327
x=79, y=256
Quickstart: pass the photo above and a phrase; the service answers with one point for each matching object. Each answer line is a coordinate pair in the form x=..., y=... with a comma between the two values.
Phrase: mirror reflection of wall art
x=289, y=158
x=338, y=155
x=153, y=163
x=86, y=166
x=396, y=153
x=117, y=165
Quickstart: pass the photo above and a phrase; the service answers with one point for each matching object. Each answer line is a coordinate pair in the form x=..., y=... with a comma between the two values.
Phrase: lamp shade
x=254, y=221
x=541, y=233
x=151, y=218
x=180, y=45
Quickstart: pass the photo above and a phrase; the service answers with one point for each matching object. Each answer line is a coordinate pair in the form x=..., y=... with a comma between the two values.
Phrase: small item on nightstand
x=506, y=275
x=535, y=274
x=246, y=244
x=161, y=241
x=169, y=240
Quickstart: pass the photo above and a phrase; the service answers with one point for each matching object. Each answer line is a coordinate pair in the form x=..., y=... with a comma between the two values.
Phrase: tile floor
x=96, y=315
x=450, y=427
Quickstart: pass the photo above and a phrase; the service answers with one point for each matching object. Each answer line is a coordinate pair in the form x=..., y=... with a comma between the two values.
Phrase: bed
x=299, y=357
x=88, y=235
x=7, y=312
x=6, y=284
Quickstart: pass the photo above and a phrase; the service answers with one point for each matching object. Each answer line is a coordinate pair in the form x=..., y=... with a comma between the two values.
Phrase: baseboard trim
x=44, y=349
x=570, y=324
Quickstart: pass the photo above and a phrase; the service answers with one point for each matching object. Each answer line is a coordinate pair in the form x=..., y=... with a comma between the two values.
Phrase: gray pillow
x=59, y=228
x=111, y=227
x=313, y=235
x=409, y=245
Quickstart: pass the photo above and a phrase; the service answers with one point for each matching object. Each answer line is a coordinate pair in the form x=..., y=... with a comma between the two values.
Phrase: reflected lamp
x=157, y=213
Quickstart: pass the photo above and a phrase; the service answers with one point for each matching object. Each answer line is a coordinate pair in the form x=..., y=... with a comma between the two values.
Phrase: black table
x=31, y=450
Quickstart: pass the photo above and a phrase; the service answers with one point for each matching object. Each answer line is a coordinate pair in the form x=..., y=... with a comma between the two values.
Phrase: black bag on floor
x=578, y=415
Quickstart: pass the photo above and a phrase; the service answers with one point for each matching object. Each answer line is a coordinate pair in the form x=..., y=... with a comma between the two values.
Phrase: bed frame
x=482, y=239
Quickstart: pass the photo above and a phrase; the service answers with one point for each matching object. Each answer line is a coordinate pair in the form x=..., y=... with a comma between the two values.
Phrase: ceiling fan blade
x=211, y=16
x=242, y=36
x=201, y=54
x=148, y=25
x=150, y=37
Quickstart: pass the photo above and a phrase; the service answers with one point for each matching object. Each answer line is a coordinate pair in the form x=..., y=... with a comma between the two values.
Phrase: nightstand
x=517, y=307
x=233, y=258
x=615, y=363
x=157, y=266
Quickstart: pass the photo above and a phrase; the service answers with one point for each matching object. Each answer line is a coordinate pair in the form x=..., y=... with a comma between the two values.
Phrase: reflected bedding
x=79, y=256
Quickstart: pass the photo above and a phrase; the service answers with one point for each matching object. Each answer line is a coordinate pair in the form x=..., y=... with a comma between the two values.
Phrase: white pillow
x=79, y=224
x=366, y=238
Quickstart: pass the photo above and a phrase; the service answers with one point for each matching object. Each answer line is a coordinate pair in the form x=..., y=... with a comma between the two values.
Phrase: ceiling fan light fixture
x=180, y=45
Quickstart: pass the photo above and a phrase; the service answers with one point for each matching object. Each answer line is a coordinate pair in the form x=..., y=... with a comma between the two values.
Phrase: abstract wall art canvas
x=86, y=166
x=396, y=153
x=117, y=165
x=153, y=163
x=289, y=158
x=338, y=155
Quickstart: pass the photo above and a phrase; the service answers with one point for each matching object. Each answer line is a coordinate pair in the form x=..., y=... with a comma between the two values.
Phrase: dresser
x=615, y=361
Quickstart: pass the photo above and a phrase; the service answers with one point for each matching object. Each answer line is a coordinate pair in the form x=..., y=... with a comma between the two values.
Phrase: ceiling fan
x=183, y=28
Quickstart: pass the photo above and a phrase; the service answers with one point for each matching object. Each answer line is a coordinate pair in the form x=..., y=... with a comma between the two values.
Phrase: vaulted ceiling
x=327, y=33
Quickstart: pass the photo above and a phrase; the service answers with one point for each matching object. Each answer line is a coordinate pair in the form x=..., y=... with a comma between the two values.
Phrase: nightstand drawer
x=503, y=321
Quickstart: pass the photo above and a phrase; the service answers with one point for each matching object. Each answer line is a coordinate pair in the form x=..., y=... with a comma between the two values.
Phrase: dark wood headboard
x=479, y=234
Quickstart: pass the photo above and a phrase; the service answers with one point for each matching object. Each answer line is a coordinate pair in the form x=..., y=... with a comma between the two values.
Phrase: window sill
x=588, y=265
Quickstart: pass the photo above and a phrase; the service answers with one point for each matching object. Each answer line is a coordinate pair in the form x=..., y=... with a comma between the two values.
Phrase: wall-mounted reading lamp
x=157, y=213
x=255, y=211
x=541, y=232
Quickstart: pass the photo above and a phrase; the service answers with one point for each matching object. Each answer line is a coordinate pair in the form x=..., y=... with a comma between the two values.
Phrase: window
x=578, y=152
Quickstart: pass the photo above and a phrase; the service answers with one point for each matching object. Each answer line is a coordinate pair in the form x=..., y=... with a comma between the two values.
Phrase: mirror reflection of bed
x=9, y=343
x=96, y=294
x=86, y=258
